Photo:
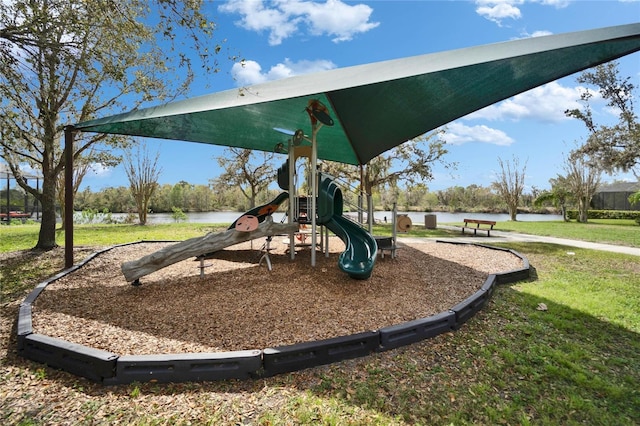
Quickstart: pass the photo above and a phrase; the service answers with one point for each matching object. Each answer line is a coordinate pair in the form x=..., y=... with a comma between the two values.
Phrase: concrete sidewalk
x=501, y=236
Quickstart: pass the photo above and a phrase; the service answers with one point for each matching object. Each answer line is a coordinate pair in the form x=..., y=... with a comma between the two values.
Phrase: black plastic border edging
x=414, y=331
x=111, y=369
x=192, y=367
x=80, y=360
x=285, y=359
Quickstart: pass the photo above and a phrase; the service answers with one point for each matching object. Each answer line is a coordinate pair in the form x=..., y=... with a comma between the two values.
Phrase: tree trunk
x=252, y=199
x=47, y=235
x=582, y=210
x=143, y=214
x=142, y=210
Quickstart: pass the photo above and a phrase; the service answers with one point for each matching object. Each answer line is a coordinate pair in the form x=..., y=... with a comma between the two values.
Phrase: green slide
x=361, y=249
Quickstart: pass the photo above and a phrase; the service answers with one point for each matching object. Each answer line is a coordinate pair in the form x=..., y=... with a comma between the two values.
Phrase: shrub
x=178, y=215
x=607, y=214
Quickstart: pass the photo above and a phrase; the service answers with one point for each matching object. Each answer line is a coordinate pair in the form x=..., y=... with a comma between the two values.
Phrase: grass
x=618, y=231
x=24, y=237
x=578, y=362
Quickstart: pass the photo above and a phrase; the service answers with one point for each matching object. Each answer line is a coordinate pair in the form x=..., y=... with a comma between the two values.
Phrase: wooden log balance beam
x=193, y=247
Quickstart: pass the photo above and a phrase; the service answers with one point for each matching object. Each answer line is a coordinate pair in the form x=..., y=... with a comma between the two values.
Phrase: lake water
x=417, y=218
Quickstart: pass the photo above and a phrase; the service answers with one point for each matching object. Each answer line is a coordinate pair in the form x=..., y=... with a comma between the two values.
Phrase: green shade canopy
x=376, y=106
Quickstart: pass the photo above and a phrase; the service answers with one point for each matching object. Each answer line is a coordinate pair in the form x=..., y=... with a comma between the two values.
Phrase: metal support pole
x=326, y=241
x=293, y=198
x=314, y=190
x=7, y=217
x=68, y=196
x=361, y=196
x=35, y=200
x=394, y=220
x=370, y=212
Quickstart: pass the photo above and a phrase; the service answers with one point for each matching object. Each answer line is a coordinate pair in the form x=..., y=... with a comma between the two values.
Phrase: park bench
x=477, y=223
x=386, y=244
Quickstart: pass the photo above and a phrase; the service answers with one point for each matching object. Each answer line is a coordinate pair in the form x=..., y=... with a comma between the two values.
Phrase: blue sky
x=279, y=39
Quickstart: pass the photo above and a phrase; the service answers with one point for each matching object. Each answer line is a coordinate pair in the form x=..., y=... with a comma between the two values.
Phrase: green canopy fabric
x=376, y=106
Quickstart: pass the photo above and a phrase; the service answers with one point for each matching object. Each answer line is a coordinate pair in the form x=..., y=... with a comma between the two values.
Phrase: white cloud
x=458, y=134
x=99, y=170
x=250, y=72
x=545, y=103
x=540, y=33
x=333, y=18
x=283, y=18
x=559, y=4
x=256, y=17
x=498, y=10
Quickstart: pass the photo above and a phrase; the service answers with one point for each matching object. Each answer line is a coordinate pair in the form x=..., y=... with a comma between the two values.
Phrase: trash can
x=430, y=221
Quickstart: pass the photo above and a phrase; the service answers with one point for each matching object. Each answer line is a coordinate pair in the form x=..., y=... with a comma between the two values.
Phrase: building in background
x=615, y=196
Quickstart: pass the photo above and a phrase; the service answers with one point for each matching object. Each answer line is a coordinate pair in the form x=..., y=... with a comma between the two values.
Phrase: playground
x=240, y=305
x=240, y=321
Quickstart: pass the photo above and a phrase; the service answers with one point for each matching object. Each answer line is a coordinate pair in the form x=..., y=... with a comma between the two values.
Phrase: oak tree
x=251, y=172
x=67, y=61
x=613, y=147
x=411, y=162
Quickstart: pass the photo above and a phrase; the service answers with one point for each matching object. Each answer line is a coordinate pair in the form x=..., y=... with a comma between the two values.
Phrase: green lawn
x=619, y=231
x=23, y=237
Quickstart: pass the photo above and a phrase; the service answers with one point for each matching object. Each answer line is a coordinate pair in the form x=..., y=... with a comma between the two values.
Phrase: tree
x=242, y=171
x=413, y=194
x=61, y=62
x=143, y=173
x=452, y=197
x=510, y=184
x=81, y=168
x=612, y=147
x=179, y=195
x=410, y=162
x=559, y=195
x=582, y=178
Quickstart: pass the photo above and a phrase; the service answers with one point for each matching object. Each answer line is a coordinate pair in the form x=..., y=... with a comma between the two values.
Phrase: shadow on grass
x=510, y=364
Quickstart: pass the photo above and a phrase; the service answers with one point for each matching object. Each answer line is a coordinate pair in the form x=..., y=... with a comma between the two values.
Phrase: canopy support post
x=68, y=196
x=8, y=216
x=293, y=198
x=314, y=189
x=370, y=218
